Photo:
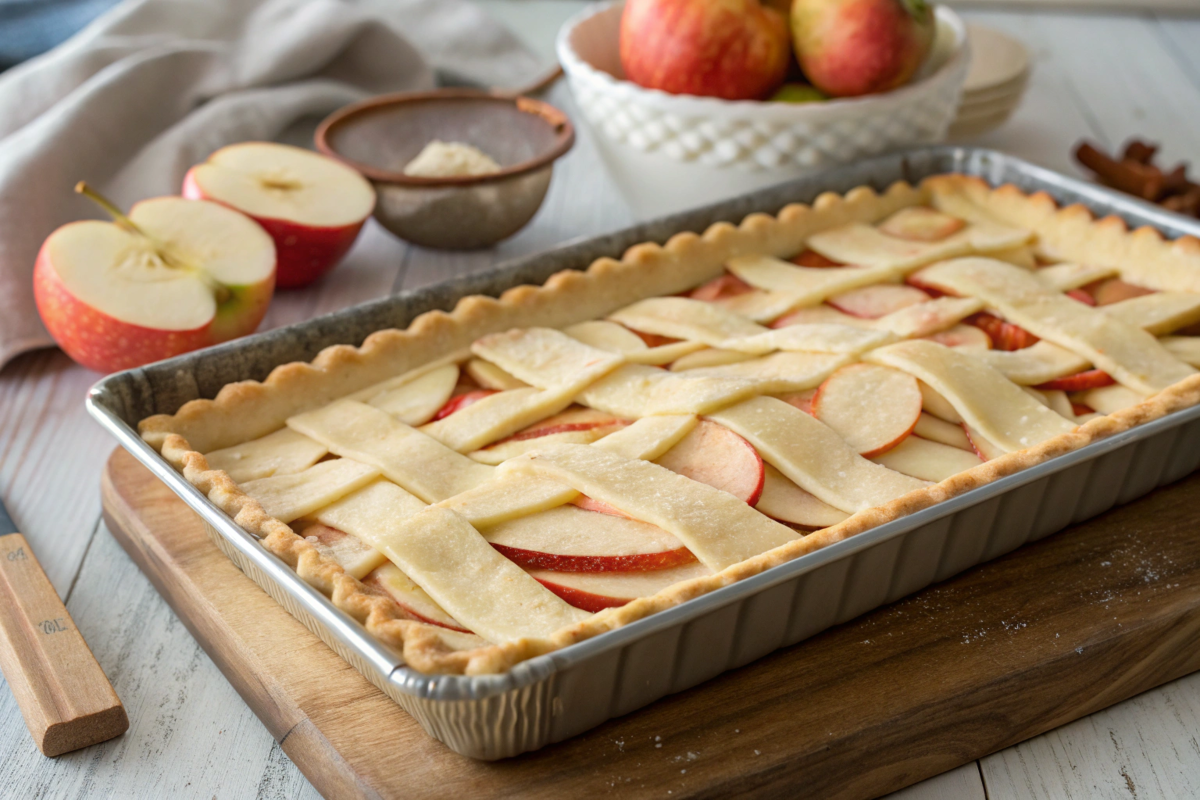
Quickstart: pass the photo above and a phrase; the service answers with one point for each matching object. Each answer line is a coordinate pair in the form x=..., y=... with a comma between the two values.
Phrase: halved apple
x=785, y=501
x=873, y=408
x=878, y=300
x=311, y=205
x=966, y=337
x=570, y=539
x=921, y=224
x=173, y=276
x=353, y=554
x=930, y=461
x=717, y=456
x=596, y=591
x=391, y=582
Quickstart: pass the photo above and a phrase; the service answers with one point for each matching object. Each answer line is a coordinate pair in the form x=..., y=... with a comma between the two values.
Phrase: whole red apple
x=733, y=49
x=849, y=48
x=173, y=276
x=312, y=206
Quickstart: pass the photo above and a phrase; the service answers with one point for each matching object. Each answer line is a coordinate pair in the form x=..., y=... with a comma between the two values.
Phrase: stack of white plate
x=995, y=82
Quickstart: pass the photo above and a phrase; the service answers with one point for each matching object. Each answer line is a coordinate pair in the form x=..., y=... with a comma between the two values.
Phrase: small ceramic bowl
x=670, y=152
x=378, y=137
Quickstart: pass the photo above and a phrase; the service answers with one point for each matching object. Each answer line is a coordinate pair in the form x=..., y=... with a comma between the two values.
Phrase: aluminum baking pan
x=558, y=695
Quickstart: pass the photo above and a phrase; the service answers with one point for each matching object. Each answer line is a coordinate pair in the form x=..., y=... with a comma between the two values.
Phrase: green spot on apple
x=798, y=93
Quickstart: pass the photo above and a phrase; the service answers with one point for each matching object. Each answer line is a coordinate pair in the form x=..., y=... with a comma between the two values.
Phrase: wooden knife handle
x=64, y=696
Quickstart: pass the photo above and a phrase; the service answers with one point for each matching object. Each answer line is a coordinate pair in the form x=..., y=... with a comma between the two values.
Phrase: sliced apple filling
x=509, y=491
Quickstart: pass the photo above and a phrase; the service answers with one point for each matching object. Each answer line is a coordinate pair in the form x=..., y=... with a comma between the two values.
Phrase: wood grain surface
x=1053, y=632
x=1104, y=76
x=65, y=697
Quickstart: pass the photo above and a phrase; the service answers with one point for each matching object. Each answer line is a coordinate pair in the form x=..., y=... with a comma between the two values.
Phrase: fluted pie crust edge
x=250, y=409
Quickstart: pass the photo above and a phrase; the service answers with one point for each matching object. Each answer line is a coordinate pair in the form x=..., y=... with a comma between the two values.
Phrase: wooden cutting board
x=1055, y=631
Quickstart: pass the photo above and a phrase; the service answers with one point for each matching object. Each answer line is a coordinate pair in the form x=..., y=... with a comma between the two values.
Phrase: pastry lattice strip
x=599, y=368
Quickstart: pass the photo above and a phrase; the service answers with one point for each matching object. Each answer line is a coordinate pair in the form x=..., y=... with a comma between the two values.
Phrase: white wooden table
x=1106, y=77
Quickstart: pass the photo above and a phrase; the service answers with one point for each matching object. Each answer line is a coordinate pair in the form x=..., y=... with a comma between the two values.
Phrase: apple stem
x=220, y=290
x=117, y=214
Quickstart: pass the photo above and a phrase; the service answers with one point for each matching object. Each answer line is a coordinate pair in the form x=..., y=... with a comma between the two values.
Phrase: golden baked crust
x=249, y=409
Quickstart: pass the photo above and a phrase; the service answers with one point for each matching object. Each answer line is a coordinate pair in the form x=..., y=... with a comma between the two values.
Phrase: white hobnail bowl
x=671, y=152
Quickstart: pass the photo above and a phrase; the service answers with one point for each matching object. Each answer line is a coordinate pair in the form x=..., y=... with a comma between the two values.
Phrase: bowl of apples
x=693, y=101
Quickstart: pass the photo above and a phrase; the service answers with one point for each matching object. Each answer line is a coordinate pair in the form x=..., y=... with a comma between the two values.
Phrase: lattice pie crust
x=341, y=470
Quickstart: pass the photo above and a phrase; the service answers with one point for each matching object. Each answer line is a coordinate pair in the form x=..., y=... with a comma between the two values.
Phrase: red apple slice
x=353, y=554
x=967, y=337
x=576, y=418
x=577, y=425
x=937, y=430
x=653, y=339
x=1088, y=379
x=983, y=447
x=389, y=581
x=937, y=405
x=1081, y=296
x=461, y=401
x=496, y=454
x=929, y=461
x=569, y=539
x=879, y=300
x=818, y=315
x=785, y=501
x=1079, y=409
x=1004, y=335
x=1114, y=290
x=173, y=276
x=311, y=205
x=599, y=506
x=717, y=456
x=914, y=280
x=801, y=400
x=921, y=224
x=596, y=591
x=873, y=408
x=811, y=258
x=728, y=285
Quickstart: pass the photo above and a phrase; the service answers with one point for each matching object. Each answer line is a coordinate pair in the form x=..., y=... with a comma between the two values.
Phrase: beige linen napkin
x=154, y=86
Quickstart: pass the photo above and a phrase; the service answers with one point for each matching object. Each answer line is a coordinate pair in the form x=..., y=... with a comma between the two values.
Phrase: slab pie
x=526, y=472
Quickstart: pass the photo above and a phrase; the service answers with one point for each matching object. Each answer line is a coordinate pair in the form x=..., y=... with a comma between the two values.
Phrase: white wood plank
x=51, y=453
x=190, y=734
x=1181, y=38
x=535, y=22
x=963, y=783
x=1145, y=747
x=1106, y=78
x=371, y=269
